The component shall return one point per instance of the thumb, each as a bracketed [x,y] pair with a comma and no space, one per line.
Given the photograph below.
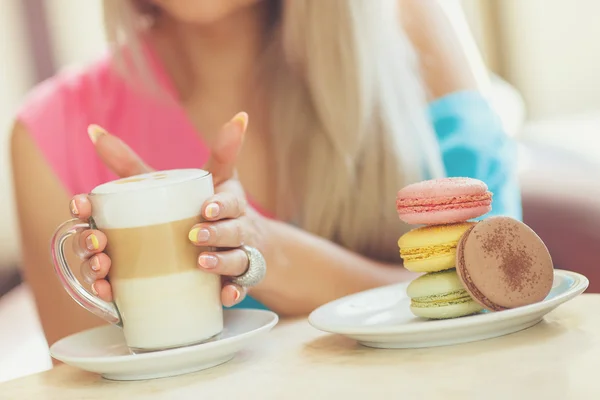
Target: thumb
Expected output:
[223,156]
[115,154]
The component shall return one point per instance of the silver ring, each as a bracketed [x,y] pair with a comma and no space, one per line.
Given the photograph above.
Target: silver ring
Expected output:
[257,268]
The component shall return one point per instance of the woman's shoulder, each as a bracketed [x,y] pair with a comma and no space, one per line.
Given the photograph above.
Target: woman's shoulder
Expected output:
[76,89]
[57,111]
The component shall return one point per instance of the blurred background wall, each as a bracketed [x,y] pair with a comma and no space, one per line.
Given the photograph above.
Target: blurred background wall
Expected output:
[76,27]
[548,49]
[16,76]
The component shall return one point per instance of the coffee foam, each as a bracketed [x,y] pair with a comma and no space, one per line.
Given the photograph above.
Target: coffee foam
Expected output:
[150,199]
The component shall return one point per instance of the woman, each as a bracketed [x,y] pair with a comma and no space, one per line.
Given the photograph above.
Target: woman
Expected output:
[349,101]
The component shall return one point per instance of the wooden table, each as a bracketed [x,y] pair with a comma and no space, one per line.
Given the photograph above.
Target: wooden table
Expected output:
[556,359]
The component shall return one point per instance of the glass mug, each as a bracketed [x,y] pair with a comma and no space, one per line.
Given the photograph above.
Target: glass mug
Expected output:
[161,299]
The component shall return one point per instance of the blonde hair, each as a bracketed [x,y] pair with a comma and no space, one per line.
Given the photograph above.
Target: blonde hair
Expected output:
[348,113]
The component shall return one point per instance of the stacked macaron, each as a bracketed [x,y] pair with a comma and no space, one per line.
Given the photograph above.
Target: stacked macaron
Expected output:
[444,208]
[504,264]
[495,264]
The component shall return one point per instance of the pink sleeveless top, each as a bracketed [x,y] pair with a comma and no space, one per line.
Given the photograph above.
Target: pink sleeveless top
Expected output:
[58,111]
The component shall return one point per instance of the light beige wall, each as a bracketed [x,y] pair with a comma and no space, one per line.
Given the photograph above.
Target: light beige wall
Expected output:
[549,49]
[16,76]
[76,28]
[553,53]
[481,17]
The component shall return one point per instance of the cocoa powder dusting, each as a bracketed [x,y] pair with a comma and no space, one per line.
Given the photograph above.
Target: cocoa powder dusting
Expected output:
[514,261]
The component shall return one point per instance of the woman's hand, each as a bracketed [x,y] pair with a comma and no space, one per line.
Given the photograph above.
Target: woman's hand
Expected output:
[229,221]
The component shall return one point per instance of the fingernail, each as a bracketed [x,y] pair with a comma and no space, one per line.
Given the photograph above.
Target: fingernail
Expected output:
[212,210]
[236,294]
[95,263]
[94,132]
[92,242]
[94,291]
[198,235]
[241,119]
[203,235]
[207,261]
[73,208]
[193,235]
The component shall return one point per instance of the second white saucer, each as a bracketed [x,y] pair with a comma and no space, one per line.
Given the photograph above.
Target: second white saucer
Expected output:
[381,317]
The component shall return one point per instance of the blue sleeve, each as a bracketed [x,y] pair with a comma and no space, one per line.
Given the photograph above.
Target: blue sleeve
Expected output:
[474,144]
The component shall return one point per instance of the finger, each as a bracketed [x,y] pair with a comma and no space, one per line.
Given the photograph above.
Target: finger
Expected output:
[90,242]
[95,268]
[102,289]
[231,185]
[227,263]
[115,154]
[221,163]
[80,207]
[227,233]
[232,294]
[224,205]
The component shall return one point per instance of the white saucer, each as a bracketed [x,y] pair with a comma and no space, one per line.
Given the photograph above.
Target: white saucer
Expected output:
[381,317]
[103,350]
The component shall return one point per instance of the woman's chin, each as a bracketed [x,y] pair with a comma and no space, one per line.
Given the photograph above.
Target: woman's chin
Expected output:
[203,12]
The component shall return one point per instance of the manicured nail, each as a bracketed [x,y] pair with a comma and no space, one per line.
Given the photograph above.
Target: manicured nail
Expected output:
[198,235]
[73,208]
[94,131]
[94,291]
[203,235]
[95,263]
[241,119]
[236,294]
[92,242]
[212,210]
[207,261]
[193,235]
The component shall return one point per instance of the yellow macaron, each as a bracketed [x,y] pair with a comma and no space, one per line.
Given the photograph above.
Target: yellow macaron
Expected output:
[440,295]
[432,248]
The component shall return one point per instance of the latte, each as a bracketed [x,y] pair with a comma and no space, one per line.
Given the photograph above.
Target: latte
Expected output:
[163,299]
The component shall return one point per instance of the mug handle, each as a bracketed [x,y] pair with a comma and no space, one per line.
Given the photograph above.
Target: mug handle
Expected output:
[74,288]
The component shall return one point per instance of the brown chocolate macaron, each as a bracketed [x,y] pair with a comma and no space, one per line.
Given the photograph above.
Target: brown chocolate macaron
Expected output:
[504,264]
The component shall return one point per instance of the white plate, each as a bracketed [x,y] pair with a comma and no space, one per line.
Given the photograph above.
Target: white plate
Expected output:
[103,350]
[381,317]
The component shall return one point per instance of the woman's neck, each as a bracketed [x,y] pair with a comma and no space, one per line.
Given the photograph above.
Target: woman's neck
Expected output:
[216,58]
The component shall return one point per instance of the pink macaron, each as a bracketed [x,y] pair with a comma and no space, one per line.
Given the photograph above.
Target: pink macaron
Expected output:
[443,201]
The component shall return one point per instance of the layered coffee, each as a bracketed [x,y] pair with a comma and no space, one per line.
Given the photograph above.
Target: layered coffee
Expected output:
[164,300]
